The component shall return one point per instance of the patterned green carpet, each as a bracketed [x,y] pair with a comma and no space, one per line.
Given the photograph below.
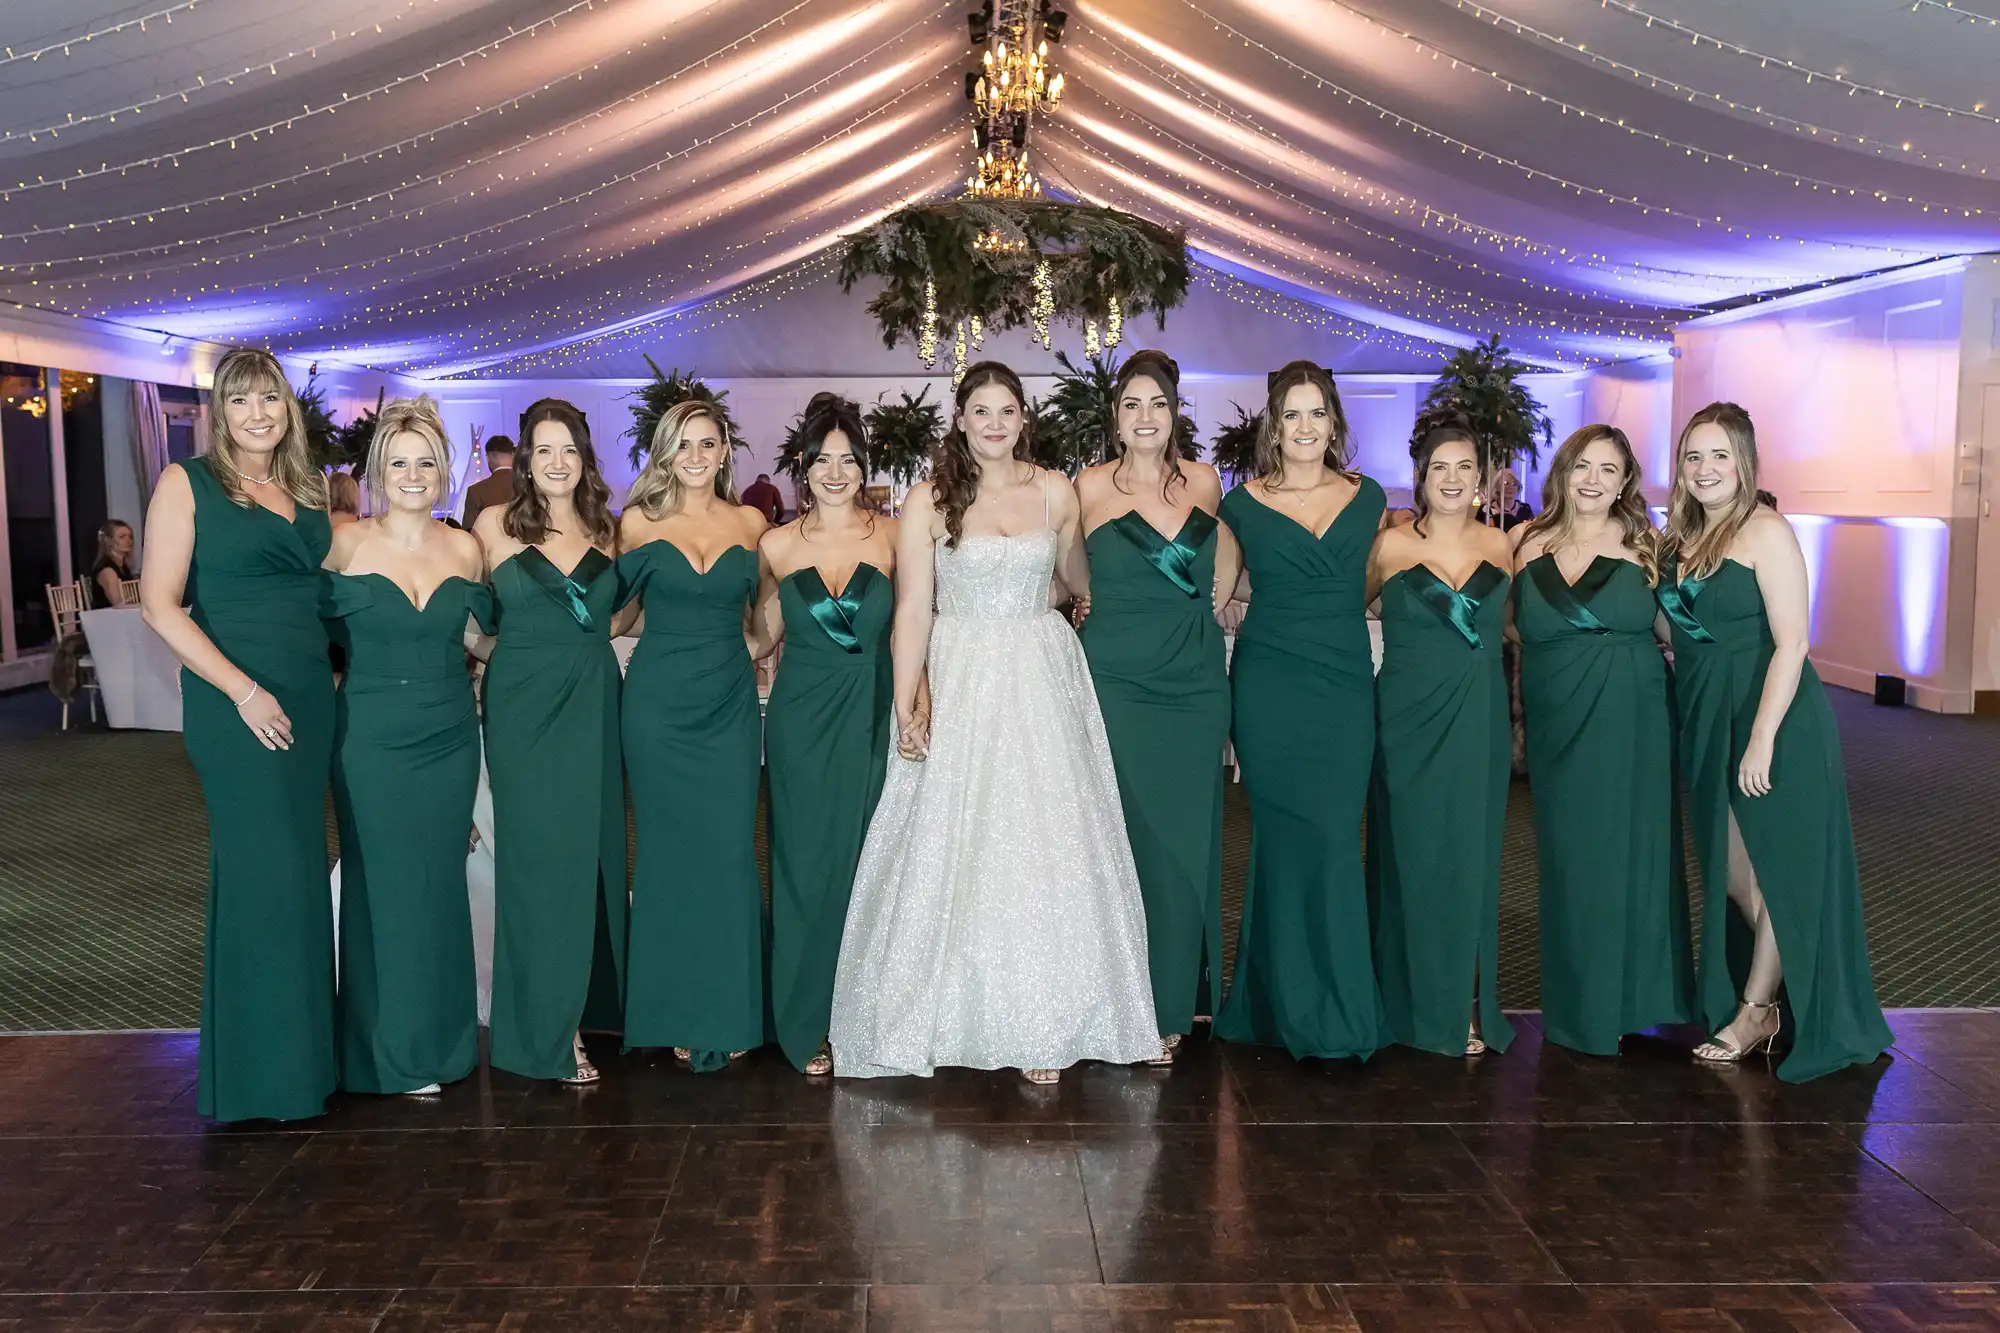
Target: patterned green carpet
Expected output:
[103,859]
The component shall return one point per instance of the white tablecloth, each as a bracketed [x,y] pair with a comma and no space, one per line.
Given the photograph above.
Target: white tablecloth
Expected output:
[138,676]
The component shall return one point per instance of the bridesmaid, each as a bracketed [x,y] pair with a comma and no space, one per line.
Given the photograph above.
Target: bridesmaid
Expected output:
[693,749]
[1443,756]
[405,766]
[832,716]
[1600,753]
[1761,761]
[552,752]
[1304,692]
[239,533]
[1155,652]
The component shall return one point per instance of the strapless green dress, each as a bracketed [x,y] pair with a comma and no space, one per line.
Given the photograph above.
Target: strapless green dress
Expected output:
[1304,690]
[693,755]
[267,1045]
[827,734]
[1797,835]
[1438,807]
[1600,723]
[405,772]
[559,896]
[1156,660]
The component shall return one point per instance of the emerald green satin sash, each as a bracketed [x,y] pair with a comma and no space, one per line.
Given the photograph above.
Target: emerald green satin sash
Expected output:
[1459,607]
[566,590]
[836,614]
[1676,597]
[1572,602]
[1173,558]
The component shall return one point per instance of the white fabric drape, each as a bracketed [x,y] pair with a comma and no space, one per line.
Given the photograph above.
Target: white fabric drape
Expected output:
[149,435]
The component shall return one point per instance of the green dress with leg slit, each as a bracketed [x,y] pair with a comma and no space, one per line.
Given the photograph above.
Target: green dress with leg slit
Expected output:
[1303,686]
[693,752]
[405,772]
[1600,724]
[267,1045]
[1797,835]
[559,897]
[1156,659]
[1438,808]
[827,734]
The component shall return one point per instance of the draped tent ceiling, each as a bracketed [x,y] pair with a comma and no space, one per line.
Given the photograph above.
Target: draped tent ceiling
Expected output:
[552,188]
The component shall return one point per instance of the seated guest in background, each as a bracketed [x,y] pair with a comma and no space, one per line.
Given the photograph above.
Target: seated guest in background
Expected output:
[343,492]
[257,703]
[495,489]
[113,565]
[1505,503]
[405,767]
[765,498]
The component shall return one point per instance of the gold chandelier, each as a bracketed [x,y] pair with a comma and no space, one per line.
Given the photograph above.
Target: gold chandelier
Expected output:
[1013,82]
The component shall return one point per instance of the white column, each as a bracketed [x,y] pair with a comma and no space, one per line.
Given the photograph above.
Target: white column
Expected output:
[58,473]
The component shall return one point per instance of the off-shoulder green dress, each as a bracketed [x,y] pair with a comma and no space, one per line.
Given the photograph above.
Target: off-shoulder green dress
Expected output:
[1156,659]
[1600,724]
[1798,836]
[559,895]
[693,755]
[1438,809]
[827,734]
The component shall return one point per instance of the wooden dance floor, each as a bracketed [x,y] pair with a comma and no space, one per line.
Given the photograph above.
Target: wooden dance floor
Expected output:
[1537,1190]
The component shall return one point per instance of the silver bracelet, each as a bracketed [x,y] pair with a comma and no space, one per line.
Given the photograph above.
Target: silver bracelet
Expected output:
[254,687]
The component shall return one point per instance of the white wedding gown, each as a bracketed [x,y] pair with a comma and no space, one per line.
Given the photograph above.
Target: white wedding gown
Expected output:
[996,920]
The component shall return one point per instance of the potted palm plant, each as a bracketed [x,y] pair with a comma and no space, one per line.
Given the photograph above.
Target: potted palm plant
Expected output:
[1480,387]
[669,388]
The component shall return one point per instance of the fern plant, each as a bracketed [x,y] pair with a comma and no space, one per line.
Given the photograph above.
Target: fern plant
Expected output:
[1074,425]
[903,434]
[322,436]
[1234,448]
[668,389]
[352,440]
[1480,386]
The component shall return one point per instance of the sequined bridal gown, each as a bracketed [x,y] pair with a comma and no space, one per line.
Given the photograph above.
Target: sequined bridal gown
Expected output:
[996,920]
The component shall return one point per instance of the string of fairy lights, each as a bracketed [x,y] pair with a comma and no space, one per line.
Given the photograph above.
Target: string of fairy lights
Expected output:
[185,94]
[584,229]
[1566,183]
[1328,178]
[64,45]
[1776,120]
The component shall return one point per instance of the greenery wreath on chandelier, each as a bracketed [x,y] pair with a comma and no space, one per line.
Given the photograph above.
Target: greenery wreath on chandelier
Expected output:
[969,267]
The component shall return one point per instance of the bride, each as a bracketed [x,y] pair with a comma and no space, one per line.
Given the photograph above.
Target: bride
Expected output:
[996,921]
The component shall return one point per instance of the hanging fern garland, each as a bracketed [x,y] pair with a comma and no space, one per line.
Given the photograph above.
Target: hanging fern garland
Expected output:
[958,260]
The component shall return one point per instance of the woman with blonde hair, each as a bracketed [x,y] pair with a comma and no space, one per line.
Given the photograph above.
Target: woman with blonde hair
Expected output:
[1304,724]
[113,565]
[1614,919]
[693,747]
[240,532]
[1760,756]
[552,757]
[400,590]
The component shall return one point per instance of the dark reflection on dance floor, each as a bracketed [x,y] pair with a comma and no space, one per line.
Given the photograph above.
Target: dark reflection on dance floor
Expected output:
[1539,1190]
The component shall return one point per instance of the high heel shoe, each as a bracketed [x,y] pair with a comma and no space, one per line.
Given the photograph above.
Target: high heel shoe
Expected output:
[1474,1043]
[1716,1051]
[586,1072]
[821,1064]
[1168,1046]
[1041,1077]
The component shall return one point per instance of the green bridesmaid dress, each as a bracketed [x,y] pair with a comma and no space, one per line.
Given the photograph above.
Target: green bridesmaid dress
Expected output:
[1797,835]
[827,735]
[1443,753]
[267,1044]
[1303,684]
[559,896]
[405,771]
[692,753]
[1156,658]
[1600,725]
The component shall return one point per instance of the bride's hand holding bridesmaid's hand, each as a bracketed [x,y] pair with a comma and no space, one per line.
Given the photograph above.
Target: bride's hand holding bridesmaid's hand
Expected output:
[913,737]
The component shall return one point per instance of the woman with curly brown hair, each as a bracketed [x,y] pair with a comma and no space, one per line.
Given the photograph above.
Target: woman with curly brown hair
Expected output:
[552,753]
[996,920]
[1600,725]
[240,532]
